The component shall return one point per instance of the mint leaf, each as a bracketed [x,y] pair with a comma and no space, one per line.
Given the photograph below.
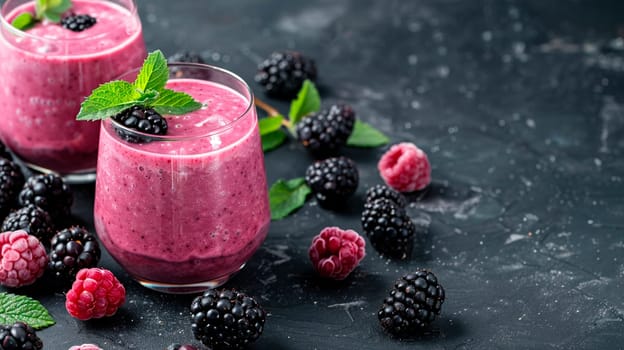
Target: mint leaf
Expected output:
[154,73]
[287,196]
[270,124]
[24,21]
[51,9]
[109,99]
[15,308]
[273,140]
[307,101]
[174,102]
[364,135]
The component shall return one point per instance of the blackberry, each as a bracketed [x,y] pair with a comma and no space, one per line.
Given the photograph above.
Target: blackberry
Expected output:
[326,131]
[72,249]
[383,191]
[78,23]
[332,180]
[33,220]
[388,227]
[19,336]
[50,193]
[283,73]
[226,319]
[11,181]
[413,303]
[4,152]
[141,119]
[185,56]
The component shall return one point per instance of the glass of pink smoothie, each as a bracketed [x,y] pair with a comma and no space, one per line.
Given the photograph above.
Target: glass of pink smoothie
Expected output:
[185,211]
[48,70]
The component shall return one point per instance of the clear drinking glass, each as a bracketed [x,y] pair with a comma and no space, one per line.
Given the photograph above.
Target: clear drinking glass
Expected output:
[185,211]
[46,73]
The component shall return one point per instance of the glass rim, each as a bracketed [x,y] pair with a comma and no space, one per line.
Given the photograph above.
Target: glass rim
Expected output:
[24,34]
[213,131]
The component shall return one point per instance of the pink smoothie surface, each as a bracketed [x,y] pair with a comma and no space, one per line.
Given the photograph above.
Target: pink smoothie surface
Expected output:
[185,210]
[47,72]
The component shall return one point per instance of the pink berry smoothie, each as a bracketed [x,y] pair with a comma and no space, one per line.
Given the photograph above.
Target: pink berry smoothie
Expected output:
[46,73]
[191,207]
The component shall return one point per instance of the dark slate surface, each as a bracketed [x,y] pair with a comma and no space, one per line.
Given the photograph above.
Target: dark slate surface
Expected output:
[519,106]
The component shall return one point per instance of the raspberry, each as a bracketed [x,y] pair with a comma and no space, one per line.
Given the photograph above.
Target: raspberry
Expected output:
[144,120]
[95,293]
[326,131]
[33,220]
[22,259]
[382,191]
[19,336]
[405,168]
[335,252]
[50,193]
[181,347]
[388,227]
[332,180]
[226,319]
[85,347]
[414,302]
[283,74]
[78,23]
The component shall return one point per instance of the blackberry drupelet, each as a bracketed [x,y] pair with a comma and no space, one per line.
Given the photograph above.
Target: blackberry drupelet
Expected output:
[413,303]
[19,336]
[145,120]
[185,56]
[332,180]
[11,181]
[326,131]
[388,227]
[226,319]
[50,193]
[72,249]
[283,73]
[78,23]
[4,152]
[33,220]
[383,191]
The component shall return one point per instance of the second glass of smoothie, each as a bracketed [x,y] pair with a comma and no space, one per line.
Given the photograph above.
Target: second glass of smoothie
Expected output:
[185,211]
[48,70]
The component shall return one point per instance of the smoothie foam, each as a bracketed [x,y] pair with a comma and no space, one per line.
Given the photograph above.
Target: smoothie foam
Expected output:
[192,207]
[48,71]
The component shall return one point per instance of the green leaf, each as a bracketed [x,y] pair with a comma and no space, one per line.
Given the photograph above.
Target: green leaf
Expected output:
[270,124]
[52,9]
[364,135]
[24,21]
[109,99]
[154,73]
[174,102]
[287,196]
[273,140]
[308,101]
[59,6]
[15,308]
[40,7]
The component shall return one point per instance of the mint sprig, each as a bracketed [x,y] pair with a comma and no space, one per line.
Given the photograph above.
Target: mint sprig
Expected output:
[286,196]
[52,10]
[148,90]
[14,308]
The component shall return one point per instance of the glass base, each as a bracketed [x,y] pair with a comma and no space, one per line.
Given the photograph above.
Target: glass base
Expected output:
[83,177]
[191,288]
